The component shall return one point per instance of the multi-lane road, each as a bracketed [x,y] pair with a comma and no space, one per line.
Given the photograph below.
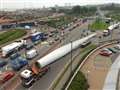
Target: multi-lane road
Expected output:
[45,82]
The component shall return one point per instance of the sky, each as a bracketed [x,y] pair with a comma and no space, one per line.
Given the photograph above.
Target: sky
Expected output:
[18,4]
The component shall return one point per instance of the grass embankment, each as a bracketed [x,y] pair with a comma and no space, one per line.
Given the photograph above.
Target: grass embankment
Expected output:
[98,25]
[80,82]
[11,35]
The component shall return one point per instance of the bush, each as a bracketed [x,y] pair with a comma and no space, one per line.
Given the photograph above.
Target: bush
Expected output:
[98,25]
[79,82]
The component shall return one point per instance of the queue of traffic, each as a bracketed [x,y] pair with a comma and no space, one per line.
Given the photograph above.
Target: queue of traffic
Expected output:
[18,53]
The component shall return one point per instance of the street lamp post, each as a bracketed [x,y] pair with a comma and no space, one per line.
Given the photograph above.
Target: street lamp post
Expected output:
[71,57]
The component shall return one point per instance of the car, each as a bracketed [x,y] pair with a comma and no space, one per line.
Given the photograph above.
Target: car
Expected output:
[85,44]
[29,46]
[105,52]
[50,42]
[2,63]
[51,35]
[106,49]
[112,50]
[117,47]
[14,56]
[57,38]
[5,76]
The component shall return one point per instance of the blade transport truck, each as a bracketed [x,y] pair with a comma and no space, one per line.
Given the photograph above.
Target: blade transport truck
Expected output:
[40,67]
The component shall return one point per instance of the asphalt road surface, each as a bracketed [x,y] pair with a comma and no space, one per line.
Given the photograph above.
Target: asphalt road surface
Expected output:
[46,80]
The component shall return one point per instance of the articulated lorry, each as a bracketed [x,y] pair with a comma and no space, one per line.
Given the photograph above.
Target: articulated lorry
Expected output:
[40,67]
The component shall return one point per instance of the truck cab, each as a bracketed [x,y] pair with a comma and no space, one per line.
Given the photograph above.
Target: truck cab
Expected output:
[27,78]
[33,73]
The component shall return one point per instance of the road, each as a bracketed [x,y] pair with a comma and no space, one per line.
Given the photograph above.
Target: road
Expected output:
[46,80]
[42,50]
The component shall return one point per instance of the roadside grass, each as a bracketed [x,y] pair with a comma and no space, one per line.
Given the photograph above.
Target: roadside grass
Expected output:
[11,35]
[98,25]
[80,82]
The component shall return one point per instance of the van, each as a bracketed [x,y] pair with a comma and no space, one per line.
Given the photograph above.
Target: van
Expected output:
[31,54]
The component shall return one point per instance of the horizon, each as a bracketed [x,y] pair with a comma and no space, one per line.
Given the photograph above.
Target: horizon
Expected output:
[11,5]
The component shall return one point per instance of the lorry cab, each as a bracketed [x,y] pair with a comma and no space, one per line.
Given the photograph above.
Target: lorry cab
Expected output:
[106,32]
[27,78]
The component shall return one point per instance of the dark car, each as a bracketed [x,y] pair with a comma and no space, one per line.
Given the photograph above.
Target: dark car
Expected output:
[112,50]
[2,63]
[14,56]
[57,38]
[29,46]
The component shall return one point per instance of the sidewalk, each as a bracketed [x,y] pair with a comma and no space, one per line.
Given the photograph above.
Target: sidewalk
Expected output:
[95,69]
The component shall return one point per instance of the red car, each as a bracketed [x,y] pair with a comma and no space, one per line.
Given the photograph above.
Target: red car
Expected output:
[105,53]
[5,76]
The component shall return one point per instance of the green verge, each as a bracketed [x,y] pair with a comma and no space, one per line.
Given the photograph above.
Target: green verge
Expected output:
[80,82]
[11,35]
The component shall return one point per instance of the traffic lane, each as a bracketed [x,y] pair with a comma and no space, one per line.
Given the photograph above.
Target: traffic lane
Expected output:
[114,35]
[44,82]
[42,48]
[40,54]
[75,34]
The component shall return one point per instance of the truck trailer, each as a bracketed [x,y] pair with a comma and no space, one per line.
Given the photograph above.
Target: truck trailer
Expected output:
[6,50]
[40,67]
[38,36]
[114,26]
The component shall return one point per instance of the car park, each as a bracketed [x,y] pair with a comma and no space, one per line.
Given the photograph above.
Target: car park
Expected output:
[5,76]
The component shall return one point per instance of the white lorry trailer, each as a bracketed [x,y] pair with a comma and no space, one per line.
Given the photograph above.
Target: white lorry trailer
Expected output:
[6,50]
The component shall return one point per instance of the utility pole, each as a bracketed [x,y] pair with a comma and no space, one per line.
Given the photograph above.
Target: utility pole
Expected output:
[71,57]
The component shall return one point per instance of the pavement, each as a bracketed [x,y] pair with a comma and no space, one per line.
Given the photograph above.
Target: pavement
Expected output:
[96,68]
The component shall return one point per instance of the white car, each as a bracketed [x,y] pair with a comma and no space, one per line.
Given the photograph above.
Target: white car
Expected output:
[117,46]
[105,49]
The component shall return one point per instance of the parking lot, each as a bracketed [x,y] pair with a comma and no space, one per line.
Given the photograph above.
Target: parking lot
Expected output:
[97,67]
